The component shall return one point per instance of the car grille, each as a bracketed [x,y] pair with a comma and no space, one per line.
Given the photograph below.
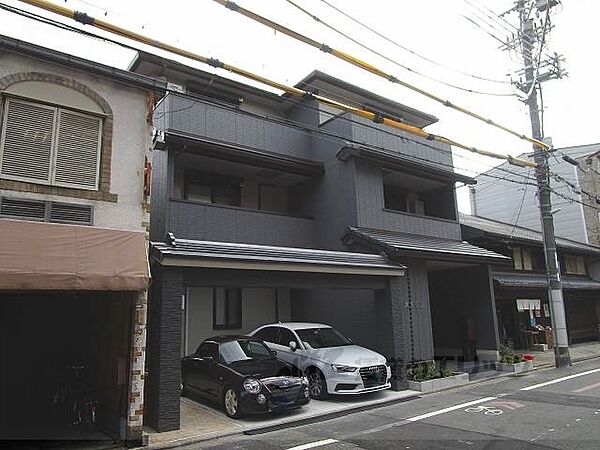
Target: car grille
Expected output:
[373,376]
[286,394]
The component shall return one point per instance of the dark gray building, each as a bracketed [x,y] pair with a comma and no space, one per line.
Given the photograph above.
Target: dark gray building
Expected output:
[269,208]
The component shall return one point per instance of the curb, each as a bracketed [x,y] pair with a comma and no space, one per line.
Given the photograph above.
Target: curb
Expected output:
[251,431]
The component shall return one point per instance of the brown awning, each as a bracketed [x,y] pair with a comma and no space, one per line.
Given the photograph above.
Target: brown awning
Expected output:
[48,256]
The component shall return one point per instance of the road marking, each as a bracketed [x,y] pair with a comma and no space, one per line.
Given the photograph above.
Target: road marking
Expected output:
[559,380]
[451,408]
[508,405]
[314,444]
[587,388]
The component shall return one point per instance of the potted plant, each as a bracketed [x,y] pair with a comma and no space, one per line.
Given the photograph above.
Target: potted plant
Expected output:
[511,361]
[427,376]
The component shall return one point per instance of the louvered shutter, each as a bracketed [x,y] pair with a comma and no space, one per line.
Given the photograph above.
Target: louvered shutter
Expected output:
[27,141]
[77,150]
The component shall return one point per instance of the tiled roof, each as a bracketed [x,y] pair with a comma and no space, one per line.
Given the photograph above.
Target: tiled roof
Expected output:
[434,246]
[509,231]
[229,251]
[540,281]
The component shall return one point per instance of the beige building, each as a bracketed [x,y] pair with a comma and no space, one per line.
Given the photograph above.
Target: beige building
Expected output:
[75,162]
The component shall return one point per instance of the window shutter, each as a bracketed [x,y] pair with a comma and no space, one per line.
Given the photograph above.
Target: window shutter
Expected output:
[27,141]
[77,150]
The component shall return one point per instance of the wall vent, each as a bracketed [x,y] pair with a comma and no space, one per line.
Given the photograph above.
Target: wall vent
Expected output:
[70,213]
[22,209]
[46,211]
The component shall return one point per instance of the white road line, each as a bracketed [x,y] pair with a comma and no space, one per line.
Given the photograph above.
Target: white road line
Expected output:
[587,388]
[559,380]
[314,444]
[451,408]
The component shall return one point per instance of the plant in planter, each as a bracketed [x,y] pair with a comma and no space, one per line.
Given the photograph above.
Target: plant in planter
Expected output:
[427,376]
[426,370]
[510,361]
[509,356]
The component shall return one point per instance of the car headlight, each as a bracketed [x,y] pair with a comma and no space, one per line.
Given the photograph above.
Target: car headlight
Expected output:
[339,368]
[252,385]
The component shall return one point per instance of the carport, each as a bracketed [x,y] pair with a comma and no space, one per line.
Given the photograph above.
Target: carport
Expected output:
[70,296]
[205,288]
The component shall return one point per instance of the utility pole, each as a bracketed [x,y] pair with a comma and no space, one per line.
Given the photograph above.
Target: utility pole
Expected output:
[529,35]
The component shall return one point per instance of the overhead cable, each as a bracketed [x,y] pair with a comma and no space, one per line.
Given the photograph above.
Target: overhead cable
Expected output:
[412,52]
[393,61]
[294,91]
[372,69]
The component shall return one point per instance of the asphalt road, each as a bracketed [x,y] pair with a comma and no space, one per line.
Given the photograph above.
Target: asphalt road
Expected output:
[555,408]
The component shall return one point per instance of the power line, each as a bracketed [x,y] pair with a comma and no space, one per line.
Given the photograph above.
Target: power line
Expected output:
[412,52]
[294,91]
[395,62]
[371,68]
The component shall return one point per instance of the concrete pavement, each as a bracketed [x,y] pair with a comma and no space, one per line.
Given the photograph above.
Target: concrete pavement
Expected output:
[554,408]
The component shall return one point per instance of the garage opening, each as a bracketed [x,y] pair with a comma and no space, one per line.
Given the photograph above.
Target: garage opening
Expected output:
[61,348]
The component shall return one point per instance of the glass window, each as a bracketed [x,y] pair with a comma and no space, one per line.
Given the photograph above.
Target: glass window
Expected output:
[394,197]
[212,188]
[285,337]
[243,349]
[323,337]
[267,334]
[207,349]
[227,308]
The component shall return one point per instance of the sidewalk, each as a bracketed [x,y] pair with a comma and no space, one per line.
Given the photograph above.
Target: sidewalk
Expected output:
[579,352]
[201,420]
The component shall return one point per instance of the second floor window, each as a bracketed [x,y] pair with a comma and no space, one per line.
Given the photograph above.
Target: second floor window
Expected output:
[522,258]
[574,265]
[212,188]
[400,199]
[50,145]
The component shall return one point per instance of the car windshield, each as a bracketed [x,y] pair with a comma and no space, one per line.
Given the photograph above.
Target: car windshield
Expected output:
[242,350]
[323,337]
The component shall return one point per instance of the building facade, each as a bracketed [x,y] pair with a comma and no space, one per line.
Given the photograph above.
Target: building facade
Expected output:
[576,213]
[268,208]
[521,290]
[75,140]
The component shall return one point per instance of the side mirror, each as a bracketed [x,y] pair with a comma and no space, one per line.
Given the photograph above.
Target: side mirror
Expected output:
[293,346]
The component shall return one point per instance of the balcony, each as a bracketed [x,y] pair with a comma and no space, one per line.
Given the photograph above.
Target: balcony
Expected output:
[210,222]
[230,125]
[415,224]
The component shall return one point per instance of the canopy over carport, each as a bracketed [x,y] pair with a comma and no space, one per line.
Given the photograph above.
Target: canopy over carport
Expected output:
[227,255]
[48,256]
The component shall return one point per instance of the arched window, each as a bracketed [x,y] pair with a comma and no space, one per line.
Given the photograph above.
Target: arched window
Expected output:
[51,134]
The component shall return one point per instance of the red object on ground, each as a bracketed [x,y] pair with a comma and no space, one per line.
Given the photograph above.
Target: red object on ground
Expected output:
[528,357]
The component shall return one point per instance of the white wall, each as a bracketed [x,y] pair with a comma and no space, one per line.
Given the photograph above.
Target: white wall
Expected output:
[258,308]
[131,142]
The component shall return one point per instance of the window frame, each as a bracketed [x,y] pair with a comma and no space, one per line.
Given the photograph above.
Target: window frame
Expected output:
[57,109]
[228,325]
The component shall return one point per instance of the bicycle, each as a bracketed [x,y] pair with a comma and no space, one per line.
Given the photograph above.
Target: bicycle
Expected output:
[74,397]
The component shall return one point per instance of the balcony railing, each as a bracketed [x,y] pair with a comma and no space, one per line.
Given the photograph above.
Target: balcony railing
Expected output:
[209,222]
[230,125]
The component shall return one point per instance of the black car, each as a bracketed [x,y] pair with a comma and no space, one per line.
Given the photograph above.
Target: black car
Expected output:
[244,375]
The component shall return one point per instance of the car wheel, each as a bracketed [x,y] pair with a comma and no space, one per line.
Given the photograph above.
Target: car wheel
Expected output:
[231,403]
[317,385]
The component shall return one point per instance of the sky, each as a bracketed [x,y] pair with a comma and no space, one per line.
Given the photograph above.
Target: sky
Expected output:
[436,29]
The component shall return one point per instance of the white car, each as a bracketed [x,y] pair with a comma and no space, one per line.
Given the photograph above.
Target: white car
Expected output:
[332,363]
